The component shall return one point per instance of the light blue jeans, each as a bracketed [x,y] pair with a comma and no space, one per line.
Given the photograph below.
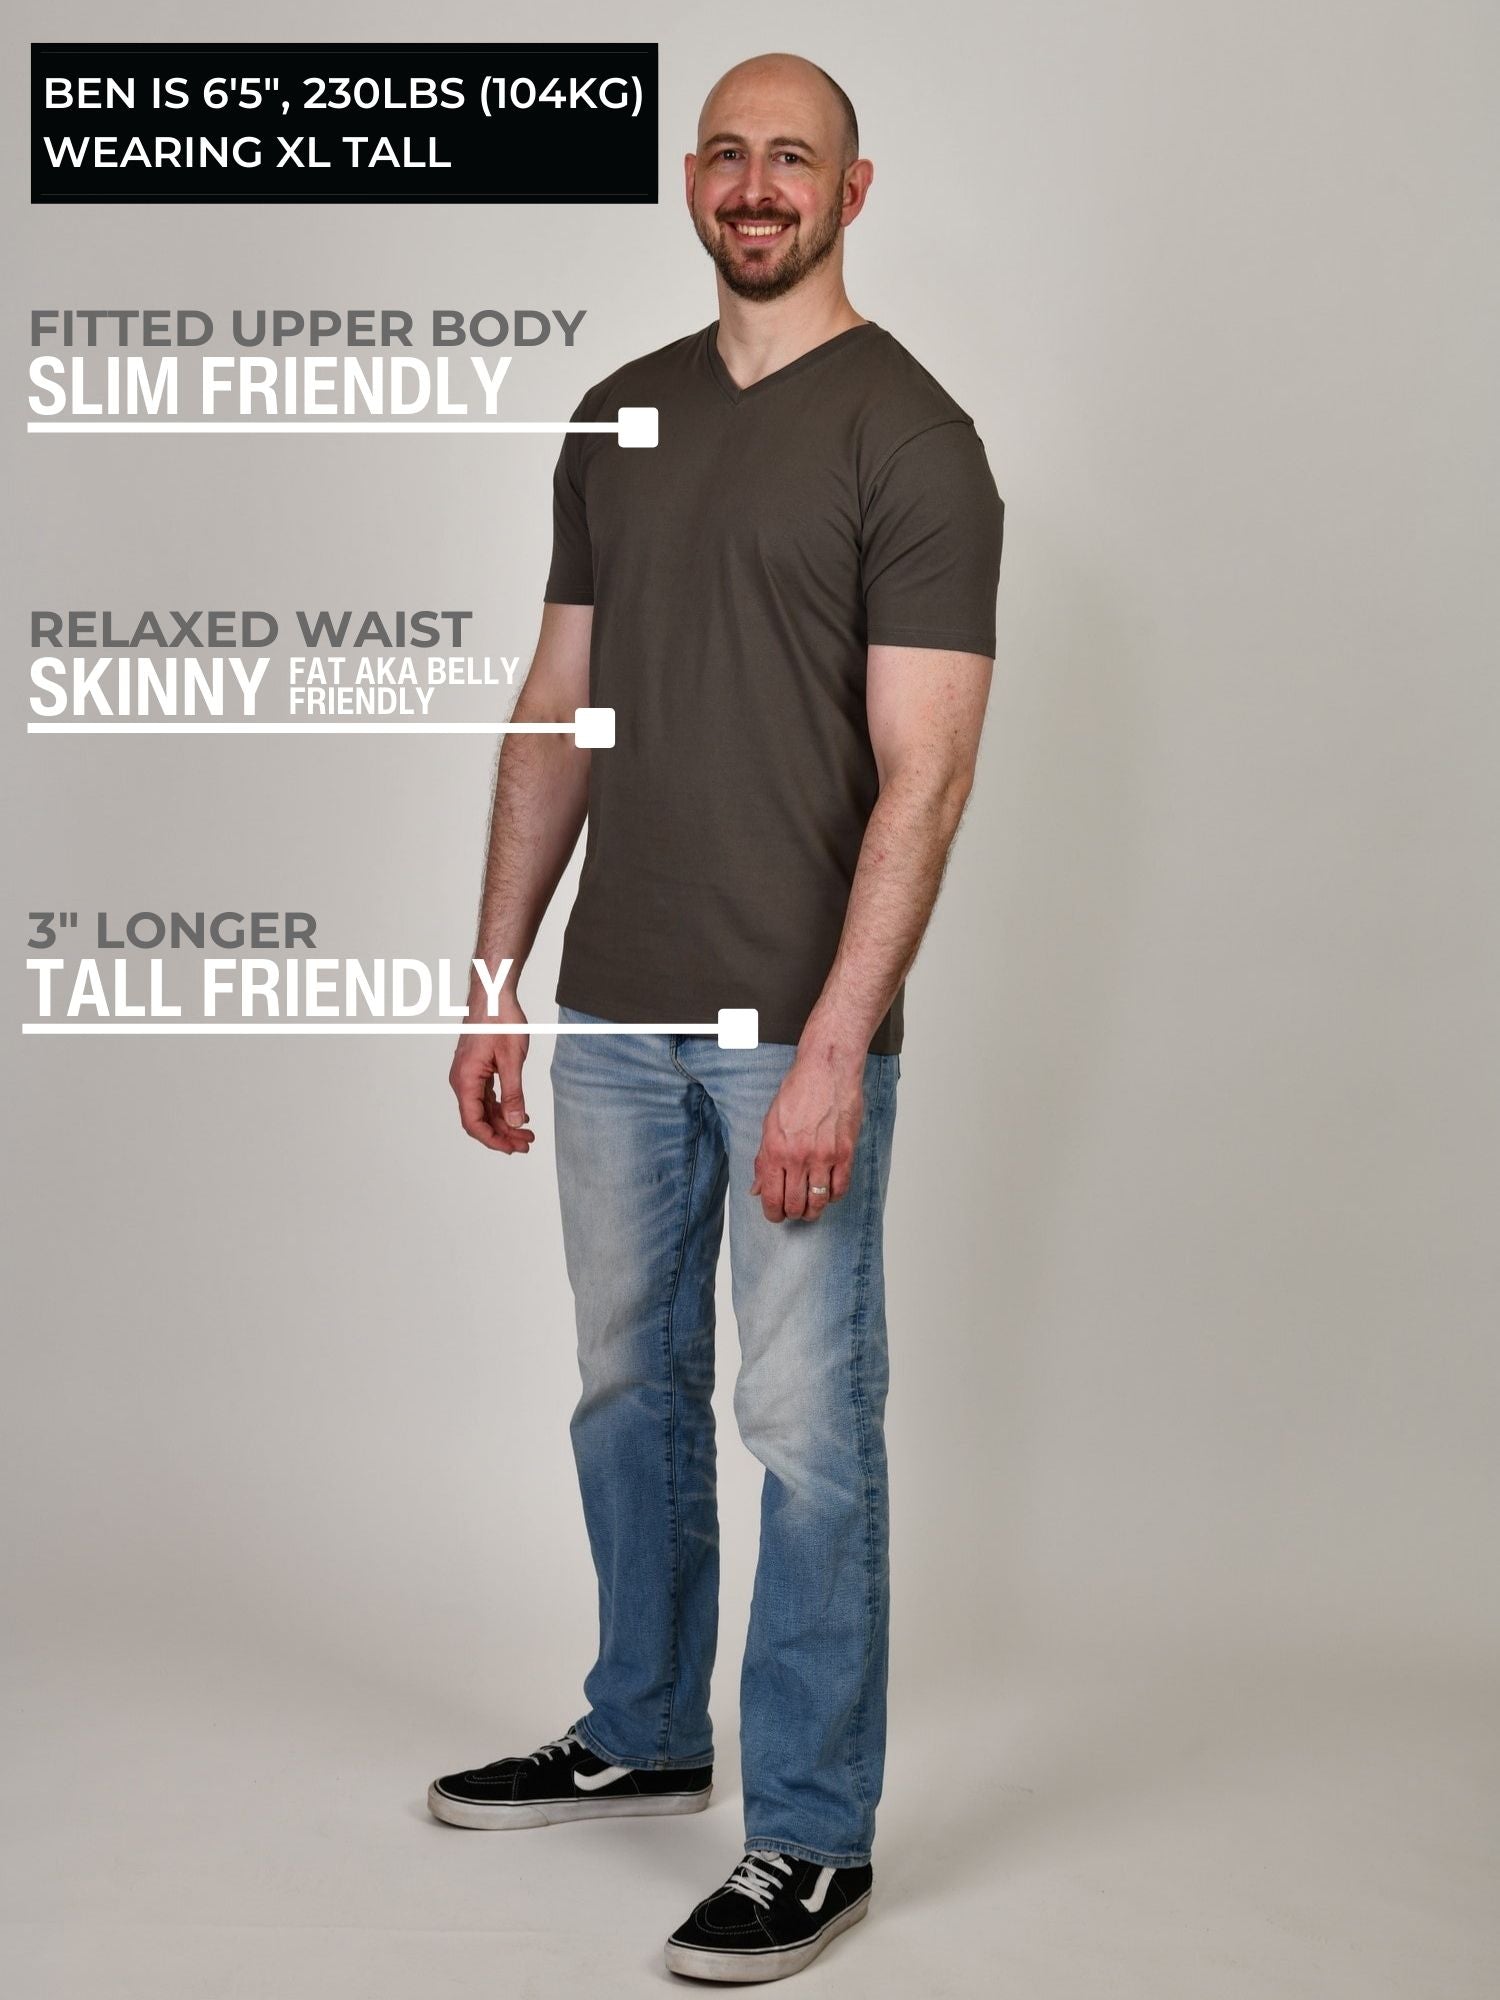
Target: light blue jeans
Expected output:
[655,1136]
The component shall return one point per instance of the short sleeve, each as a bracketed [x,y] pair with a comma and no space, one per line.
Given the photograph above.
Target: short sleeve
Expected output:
[570,580]
[930,547]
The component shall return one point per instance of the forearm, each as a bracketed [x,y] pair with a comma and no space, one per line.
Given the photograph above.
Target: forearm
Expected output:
[540,804]
[896,882]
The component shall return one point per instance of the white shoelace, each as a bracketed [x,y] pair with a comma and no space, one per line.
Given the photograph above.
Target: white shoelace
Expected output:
[563,1743]
[752,1881]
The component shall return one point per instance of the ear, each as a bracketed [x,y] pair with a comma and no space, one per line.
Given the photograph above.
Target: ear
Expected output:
[857,178]
[689,177]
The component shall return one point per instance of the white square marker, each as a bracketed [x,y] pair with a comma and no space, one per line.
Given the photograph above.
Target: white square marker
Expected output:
[739,1028]
[638,430]
[594,728]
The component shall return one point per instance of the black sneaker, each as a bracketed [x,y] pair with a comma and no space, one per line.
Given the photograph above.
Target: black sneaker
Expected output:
[561,1781]
[773,1916]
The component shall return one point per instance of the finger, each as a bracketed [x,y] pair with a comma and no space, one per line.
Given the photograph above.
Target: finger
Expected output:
[838,1179]
[819,1190]
[512,1097]
[795,1199]
[471,1087]
[772,1194]
[508,1138]
[516,1138]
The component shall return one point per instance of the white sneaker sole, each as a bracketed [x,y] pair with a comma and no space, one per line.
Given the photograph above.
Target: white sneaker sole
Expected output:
[553,1812]
[743,1967]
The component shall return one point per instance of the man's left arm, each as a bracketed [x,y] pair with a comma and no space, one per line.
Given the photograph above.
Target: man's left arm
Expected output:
[925,711]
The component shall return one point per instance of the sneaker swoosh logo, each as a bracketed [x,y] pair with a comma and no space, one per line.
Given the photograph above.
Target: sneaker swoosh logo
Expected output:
[813,1903]
[592,1781]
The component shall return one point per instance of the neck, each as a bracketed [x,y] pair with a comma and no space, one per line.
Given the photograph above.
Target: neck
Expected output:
[756,338]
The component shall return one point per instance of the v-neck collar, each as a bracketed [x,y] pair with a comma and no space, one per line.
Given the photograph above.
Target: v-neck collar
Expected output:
[736,394]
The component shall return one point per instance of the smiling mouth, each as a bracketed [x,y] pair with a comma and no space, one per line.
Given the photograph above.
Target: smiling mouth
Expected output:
[759,232]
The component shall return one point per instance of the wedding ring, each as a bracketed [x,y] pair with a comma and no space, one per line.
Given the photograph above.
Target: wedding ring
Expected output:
[813,1188]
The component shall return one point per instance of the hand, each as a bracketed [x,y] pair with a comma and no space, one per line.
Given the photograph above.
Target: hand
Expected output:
[497,1121]
[807,1140]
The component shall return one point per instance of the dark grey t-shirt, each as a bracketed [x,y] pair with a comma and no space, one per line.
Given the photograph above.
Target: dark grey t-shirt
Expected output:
[738,573]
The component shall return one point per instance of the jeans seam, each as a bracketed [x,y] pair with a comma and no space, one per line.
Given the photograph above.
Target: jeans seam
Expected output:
[668,1330]
[861,1311]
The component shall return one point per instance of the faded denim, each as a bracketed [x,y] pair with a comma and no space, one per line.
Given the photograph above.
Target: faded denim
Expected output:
[655,1137]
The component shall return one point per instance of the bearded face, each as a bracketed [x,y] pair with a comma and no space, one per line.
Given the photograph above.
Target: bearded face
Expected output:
[762,252]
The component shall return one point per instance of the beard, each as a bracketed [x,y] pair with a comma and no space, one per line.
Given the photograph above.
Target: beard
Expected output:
[769,280]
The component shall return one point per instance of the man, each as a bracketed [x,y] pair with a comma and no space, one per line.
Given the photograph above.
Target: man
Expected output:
[789,604]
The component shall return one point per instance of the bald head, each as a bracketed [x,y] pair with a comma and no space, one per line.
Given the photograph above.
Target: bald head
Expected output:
[776,178]
[789,85]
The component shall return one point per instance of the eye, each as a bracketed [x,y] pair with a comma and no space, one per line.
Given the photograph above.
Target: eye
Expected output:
[794,158]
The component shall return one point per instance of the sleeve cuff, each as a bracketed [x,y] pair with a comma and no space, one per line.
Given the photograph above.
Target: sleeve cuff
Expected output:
[934,638]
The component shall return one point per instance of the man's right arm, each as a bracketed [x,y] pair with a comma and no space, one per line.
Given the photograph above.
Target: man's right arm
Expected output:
[540,804]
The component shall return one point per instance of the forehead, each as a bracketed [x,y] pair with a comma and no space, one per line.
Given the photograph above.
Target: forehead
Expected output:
[771,103]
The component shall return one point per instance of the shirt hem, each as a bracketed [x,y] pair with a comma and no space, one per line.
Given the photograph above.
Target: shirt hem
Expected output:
[782,1030]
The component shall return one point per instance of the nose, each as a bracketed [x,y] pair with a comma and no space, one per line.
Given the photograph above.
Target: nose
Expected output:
[754,188]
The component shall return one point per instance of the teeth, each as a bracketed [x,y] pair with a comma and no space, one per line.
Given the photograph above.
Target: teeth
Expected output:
[760,228]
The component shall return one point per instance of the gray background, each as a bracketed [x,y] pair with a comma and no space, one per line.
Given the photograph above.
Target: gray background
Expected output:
[1193,1261]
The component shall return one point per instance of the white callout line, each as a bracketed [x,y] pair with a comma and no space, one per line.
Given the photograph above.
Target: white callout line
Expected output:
[635,428]
[593,727]
[731,1029]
